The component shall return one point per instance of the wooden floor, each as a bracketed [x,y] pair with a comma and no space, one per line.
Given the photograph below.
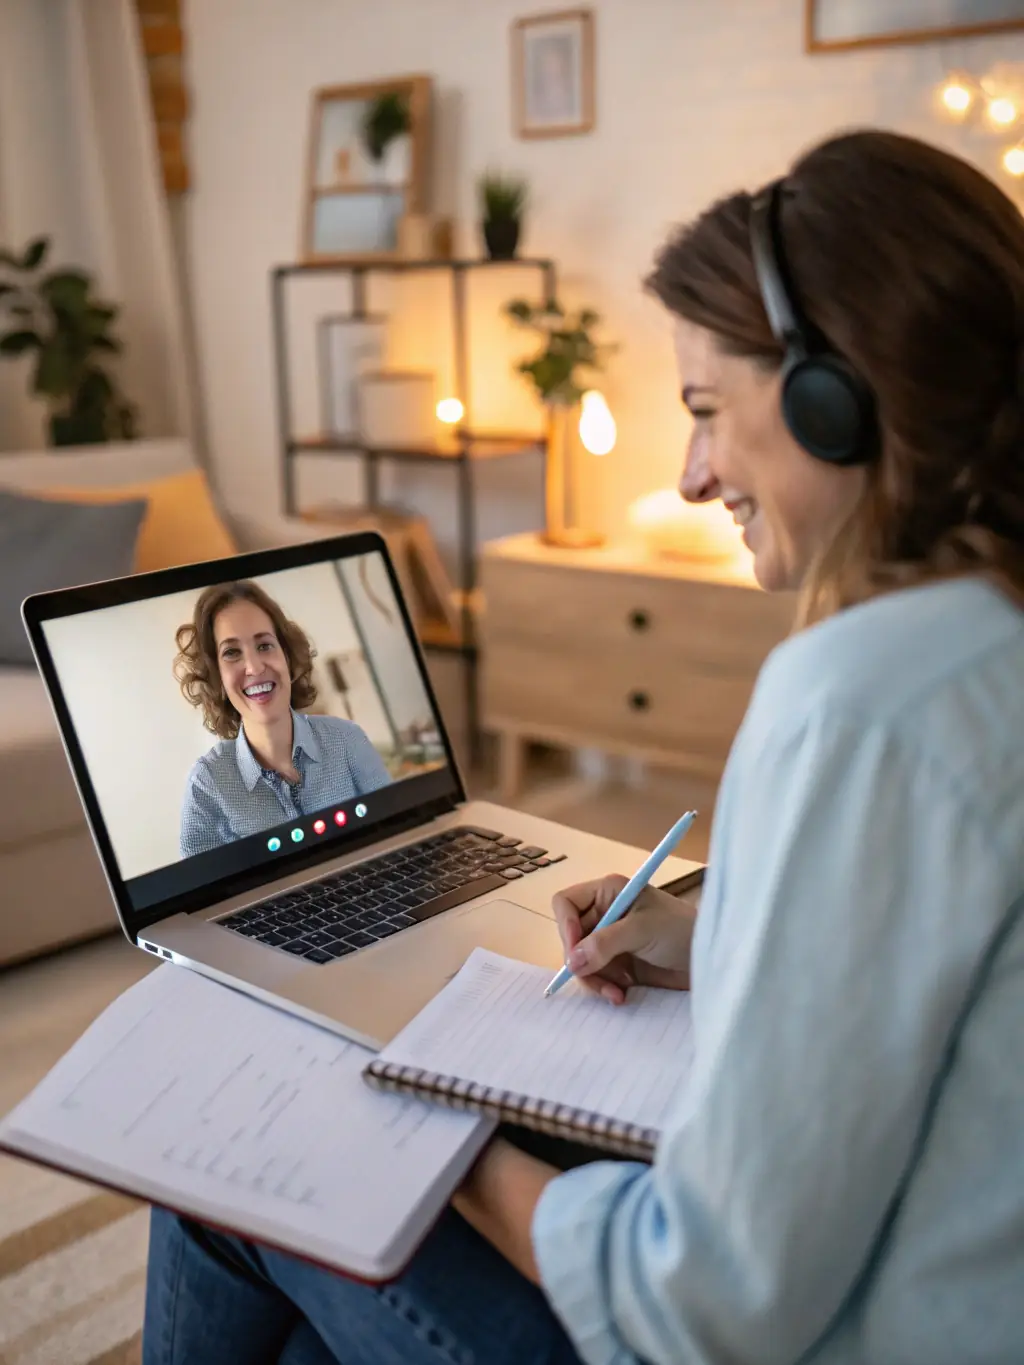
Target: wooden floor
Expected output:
[46,1004]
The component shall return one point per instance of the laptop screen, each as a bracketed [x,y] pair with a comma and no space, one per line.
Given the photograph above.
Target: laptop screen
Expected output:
[248,724]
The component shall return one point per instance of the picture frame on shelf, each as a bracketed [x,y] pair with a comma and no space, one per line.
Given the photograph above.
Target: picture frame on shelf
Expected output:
[367,169]
[841,25]
[347,347]
[553,74]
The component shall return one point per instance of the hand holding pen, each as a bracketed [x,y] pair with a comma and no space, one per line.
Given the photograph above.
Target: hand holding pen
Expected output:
[609,950]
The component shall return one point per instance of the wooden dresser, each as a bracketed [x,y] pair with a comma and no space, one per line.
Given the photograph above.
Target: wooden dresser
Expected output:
[612,650]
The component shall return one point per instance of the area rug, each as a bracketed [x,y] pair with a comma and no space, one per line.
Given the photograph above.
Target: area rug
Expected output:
[72,1270]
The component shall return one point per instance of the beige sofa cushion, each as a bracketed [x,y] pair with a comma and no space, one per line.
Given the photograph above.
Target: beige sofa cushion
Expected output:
[38,797]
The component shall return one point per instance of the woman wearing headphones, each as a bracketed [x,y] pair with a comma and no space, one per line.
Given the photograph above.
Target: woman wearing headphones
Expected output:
[841,1181]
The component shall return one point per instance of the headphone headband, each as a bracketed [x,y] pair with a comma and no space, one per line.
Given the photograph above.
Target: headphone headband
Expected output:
[773,277]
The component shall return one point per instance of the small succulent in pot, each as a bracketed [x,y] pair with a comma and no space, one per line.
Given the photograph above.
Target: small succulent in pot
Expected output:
[503,201]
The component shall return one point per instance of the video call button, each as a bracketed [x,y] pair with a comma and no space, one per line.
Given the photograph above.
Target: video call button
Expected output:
[340,818]
[297,835]
[274,844]
[319,826]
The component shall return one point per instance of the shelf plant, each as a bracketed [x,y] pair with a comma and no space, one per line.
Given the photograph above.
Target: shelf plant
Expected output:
[503,201]
[387,118]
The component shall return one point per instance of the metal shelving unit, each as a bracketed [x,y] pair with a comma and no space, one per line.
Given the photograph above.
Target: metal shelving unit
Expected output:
[467,448]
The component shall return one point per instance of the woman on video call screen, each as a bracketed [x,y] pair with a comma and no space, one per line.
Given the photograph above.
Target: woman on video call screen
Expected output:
[249,670]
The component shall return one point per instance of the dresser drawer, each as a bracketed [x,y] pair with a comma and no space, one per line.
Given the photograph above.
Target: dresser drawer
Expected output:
[635,701]
[707,624]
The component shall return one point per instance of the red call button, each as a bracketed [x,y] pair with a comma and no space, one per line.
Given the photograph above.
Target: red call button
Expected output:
[339,818]
[319,826]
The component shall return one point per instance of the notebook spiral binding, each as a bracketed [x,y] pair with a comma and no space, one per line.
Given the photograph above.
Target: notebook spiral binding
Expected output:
[543,1116]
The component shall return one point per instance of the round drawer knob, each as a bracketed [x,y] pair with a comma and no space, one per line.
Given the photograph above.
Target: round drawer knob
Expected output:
[639,701]
[639,619]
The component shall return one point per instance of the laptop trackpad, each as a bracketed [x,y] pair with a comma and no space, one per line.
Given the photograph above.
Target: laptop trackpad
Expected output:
[378,991]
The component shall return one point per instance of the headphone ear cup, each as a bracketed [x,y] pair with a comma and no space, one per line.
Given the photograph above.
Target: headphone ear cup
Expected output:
[829,410]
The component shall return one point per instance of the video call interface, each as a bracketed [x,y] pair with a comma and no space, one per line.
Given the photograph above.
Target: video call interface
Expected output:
[258,717]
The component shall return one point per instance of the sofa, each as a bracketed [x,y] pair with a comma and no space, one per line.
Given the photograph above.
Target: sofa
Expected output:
[52,889]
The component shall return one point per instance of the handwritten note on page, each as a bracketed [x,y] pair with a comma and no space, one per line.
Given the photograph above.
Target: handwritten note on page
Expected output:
[491,1025]
[195,1096]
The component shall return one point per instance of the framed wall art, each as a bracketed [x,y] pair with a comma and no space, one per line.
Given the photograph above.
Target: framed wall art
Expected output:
[553,74]
[368,168]
[837,25]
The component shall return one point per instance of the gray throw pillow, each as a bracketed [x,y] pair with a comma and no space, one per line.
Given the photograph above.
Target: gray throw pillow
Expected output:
[45,545]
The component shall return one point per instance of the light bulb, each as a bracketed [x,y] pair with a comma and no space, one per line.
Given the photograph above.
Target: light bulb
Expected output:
[597,425]
[1013,160]
[1002,111]
[450,411]
[956,97]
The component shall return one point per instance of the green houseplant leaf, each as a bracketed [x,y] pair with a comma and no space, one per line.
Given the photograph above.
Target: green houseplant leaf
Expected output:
[386,118]
[17,343]
[35,253]
[502,198]
[57,316]
[567,349]
[67,289]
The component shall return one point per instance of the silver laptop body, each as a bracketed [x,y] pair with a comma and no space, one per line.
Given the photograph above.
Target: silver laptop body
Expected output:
[428,874]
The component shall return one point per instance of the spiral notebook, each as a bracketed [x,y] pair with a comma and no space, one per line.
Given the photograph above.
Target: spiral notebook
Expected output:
[573,1066]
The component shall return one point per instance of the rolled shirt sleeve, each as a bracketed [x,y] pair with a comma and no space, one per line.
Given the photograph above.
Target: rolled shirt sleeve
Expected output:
[831,962]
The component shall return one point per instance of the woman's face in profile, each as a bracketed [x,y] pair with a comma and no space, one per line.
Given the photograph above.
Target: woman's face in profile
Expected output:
[788,503]
[253,666]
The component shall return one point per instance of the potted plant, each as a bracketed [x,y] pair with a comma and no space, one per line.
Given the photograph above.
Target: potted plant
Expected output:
[558,373]
[386,120]
[56,316]
[502,201]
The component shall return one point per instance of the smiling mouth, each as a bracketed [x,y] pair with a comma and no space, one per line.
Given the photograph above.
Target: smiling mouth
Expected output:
[262,689]
[743,511]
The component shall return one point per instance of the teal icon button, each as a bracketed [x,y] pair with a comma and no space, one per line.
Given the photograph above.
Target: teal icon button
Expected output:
[297,836]
[274,844]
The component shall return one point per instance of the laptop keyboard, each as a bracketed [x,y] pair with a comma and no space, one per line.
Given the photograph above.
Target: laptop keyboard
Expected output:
[359,906]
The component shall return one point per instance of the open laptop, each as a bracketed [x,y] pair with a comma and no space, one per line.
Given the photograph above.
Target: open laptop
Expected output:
[350,889]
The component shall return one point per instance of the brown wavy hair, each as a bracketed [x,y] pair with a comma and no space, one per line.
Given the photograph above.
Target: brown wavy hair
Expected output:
[196,667]
[911,263]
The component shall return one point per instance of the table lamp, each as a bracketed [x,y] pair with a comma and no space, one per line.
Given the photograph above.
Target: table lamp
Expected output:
[597,434]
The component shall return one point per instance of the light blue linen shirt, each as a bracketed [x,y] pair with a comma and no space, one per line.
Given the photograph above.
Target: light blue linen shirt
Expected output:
[229,796]
[842,1180]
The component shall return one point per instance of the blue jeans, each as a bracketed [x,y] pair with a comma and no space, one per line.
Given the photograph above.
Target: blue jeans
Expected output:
[211,1299]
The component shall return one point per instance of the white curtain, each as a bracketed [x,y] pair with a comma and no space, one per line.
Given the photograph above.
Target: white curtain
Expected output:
[78,163]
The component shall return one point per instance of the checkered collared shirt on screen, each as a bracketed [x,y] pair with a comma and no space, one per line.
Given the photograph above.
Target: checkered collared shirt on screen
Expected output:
[229,796]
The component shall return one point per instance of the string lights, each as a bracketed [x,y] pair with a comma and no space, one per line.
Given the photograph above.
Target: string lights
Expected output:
[996,102]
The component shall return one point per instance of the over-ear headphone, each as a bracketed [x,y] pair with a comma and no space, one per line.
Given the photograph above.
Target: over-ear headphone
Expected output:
[828,408]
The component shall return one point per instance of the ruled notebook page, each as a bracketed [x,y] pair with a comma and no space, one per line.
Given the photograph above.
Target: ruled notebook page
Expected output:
[491,1025]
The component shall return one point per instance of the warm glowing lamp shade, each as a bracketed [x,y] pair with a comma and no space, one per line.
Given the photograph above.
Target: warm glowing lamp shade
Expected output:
[597,434]
[1013,160]
[597,425]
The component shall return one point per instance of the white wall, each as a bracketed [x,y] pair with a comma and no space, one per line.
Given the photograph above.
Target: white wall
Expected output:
[695,98]
[140,737]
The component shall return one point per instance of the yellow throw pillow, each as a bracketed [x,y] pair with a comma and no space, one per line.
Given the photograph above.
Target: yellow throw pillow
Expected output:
[181,525]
